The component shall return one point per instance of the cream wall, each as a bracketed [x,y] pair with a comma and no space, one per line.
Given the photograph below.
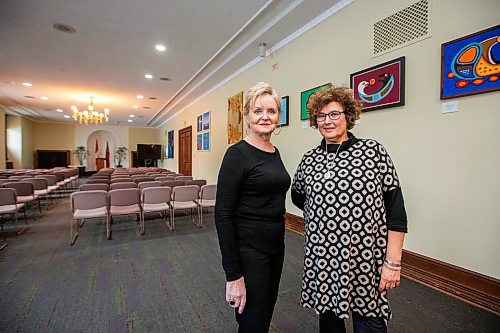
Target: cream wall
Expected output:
[27,132]
[14,141]
[2,138]
[447,163]
[55,136]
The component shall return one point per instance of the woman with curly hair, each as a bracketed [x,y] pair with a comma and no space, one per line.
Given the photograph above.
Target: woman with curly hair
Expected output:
[355,219]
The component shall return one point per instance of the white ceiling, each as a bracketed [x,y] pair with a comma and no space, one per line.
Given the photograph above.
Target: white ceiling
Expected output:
[113,47]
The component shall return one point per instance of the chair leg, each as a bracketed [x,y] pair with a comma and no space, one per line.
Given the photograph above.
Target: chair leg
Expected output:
[108,226]
[25,221]
[172,222]
[74,222]
[142,223]
[4,238]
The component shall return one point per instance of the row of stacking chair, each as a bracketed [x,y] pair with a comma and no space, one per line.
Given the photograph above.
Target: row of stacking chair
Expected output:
[141,185]
[100,203]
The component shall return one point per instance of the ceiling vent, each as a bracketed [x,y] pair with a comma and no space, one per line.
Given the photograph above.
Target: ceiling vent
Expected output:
[408,26]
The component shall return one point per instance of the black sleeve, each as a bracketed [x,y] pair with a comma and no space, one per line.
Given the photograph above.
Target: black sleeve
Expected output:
[298,199]
[395,210]
[231,175]
[298,187]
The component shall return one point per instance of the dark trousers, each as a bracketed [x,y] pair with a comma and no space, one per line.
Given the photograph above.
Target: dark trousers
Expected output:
[330,323]
[262,274]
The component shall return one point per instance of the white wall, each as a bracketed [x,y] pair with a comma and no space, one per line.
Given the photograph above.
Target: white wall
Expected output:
[448,163]
[117,136]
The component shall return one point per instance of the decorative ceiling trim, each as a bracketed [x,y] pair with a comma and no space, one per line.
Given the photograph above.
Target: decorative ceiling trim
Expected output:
[287,40]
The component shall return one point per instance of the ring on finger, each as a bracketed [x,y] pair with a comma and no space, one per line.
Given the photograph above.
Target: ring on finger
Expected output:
[232,302]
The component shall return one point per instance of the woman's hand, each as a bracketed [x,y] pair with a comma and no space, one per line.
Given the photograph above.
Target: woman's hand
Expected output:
[389,279]
[236,291]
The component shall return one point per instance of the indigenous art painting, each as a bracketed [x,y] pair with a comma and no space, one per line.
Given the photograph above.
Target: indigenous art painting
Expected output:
[304,98]
[471,64]
[235,118]
[170,144]
[284,111]
[381,86]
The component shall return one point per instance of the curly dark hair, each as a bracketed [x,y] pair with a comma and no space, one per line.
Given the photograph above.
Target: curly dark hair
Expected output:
[342,95]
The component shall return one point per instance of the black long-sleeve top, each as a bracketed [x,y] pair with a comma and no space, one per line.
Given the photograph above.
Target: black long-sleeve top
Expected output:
[250,203]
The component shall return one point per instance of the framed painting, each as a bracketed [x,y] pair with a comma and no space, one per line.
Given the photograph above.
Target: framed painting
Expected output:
[199,142]
[284,111]
[199,123]
[381,86]
[206,141]
[206,121]
[235,118]
[470,65]
[304,98]
[170,144]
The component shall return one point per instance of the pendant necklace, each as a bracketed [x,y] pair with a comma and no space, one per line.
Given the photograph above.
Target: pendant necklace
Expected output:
[329,167]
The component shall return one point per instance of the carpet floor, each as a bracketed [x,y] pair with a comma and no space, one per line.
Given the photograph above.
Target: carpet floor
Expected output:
[167,281]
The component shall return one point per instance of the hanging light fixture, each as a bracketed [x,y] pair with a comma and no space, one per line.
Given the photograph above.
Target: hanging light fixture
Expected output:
[90,115]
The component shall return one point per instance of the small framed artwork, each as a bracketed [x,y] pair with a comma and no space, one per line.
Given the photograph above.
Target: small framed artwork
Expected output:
[206,141]
[235,118]
[199,142]
[284,111]
[170,144]
[304,98]
[199,123]
[381,86]
[206,121]
[470,64]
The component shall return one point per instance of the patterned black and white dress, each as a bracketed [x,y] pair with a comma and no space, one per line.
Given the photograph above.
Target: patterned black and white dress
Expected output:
[347,217]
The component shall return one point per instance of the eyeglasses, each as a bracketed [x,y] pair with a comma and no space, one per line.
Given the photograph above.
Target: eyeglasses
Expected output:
[333,115]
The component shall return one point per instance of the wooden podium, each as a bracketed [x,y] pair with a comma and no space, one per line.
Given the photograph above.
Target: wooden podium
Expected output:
[100,163]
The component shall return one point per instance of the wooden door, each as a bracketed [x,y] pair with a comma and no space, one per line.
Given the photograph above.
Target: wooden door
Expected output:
[185,146]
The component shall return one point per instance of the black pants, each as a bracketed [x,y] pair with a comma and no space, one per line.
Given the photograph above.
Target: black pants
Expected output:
[262,273]
[330,323]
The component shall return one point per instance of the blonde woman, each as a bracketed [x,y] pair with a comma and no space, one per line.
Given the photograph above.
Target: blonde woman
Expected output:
[250,205]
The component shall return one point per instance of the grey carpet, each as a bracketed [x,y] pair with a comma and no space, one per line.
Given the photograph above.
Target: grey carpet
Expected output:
[167,282]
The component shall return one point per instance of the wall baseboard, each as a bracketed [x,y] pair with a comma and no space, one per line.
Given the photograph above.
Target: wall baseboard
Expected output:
[471,287]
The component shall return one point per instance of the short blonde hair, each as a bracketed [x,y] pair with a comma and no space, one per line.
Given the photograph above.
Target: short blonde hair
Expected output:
[342,95]
[258,90]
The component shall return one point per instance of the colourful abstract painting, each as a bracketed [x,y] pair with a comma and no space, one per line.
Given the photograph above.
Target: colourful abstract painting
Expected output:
[235,118]
[471,64]
[170,144]
[381,86]
[284,111]
[304,98]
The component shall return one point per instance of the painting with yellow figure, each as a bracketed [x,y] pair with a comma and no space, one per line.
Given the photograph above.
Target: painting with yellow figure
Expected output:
[235,118]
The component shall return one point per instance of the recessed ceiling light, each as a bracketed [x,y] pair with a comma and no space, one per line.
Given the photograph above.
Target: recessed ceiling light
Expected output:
[153,98]
[27,96]
[66,116]
[27,84]
[59,110]
[44,98]
[146,107]
[148,76]
[131,116]
[130,120]
[163,78]
[140,96]
[135,106]
[64,28]
[160,47]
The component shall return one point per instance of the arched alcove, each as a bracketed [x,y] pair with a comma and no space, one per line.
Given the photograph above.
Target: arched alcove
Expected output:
[103,140]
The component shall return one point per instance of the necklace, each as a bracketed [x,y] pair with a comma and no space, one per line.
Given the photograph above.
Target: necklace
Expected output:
[329,167]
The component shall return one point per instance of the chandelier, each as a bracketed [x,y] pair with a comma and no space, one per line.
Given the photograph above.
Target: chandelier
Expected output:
[90,115]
